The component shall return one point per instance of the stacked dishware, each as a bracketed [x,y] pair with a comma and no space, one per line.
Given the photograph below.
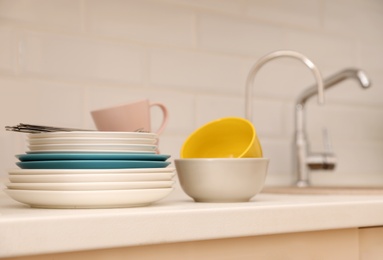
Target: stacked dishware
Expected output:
[90,169]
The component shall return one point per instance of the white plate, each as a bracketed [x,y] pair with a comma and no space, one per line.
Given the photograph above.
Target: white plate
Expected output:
[93,134]
[90,140]
[91,147]
[91,185]
[88,199]
[164,176]
[18,171]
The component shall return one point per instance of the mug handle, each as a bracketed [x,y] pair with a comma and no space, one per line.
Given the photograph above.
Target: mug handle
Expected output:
[165,116]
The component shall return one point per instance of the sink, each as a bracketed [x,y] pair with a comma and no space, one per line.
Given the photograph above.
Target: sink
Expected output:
[321,190]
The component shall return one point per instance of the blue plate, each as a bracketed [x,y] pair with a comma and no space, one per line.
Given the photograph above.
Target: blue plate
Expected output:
[92,156]
[91,164]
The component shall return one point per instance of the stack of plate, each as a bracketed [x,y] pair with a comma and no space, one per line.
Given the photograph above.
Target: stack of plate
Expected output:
[93,141]
[91,170]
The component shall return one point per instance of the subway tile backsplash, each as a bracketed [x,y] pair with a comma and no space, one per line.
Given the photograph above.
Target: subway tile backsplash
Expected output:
[60,60]
[7,50]
[60,15]
[79,58]
[143,21]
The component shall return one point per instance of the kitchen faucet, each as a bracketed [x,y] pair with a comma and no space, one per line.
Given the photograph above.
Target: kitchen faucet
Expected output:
[306,160]
[280,54]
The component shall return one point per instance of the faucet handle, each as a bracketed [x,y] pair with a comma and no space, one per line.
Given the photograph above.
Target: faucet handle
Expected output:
[329,156]
[327,141]
[326,160]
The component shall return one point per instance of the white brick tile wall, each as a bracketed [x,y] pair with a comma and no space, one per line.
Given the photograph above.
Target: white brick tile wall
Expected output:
[212,107]
[8,47]
[301,13]
[53,15]
[223,6]
[146,21]
[341,17]
[40,102]
[370,20]
[76,58]
[371,55]
[198,71]
[238,36]
[360,19]
[327,51]
[59,60]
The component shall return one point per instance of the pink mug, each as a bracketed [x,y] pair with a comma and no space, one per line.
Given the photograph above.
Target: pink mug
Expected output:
[129,117]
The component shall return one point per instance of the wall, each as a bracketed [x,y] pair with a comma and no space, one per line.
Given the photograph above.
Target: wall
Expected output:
[61,59]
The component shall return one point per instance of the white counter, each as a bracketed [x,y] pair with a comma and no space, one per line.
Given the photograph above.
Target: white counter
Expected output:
[27,231]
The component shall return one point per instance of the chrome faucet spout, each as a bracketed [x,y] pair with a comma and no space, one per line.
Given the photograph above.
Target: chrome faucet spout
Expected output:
[351,73]
[306,160]
[279,54]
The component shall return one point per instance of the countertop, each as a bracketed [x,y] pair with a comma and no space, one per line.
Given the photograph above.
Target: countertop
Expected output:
[28,231]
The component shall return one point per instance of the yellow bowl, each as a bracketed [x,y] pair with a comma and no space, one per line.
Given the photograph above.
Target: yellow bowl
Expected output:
[229,137]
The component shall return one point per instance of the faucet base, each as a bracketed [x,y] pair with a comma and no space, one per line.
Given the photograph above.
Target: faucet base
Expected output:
[302,183]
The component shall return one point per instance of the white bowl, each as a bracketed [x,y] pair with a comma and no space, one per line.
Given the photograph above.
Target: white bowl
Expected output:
[222,180]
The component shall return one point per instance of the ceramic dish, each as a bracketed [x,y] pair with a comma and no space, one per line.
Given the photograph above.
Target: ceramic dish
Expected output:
[222,179]
[88,199]
[91,185]
[93,134]
[18,171]
[229,137]
[91,151]
[108,177]
[91,156]
[91,164]
[87,140]
[90,147]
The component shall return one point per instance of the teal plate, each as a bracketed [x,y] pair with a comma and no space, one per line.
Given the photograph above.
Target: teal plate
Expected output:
[91,164]
[91,156]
